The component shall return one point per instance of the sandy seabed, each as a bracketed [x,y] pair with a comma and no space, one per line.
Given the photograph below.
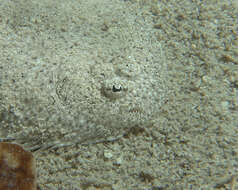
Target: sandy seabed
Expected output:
[113,94]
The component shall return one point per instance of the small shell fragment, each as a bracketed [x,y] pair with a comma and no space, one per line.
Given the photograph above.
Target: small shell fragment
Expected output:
[17,168]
